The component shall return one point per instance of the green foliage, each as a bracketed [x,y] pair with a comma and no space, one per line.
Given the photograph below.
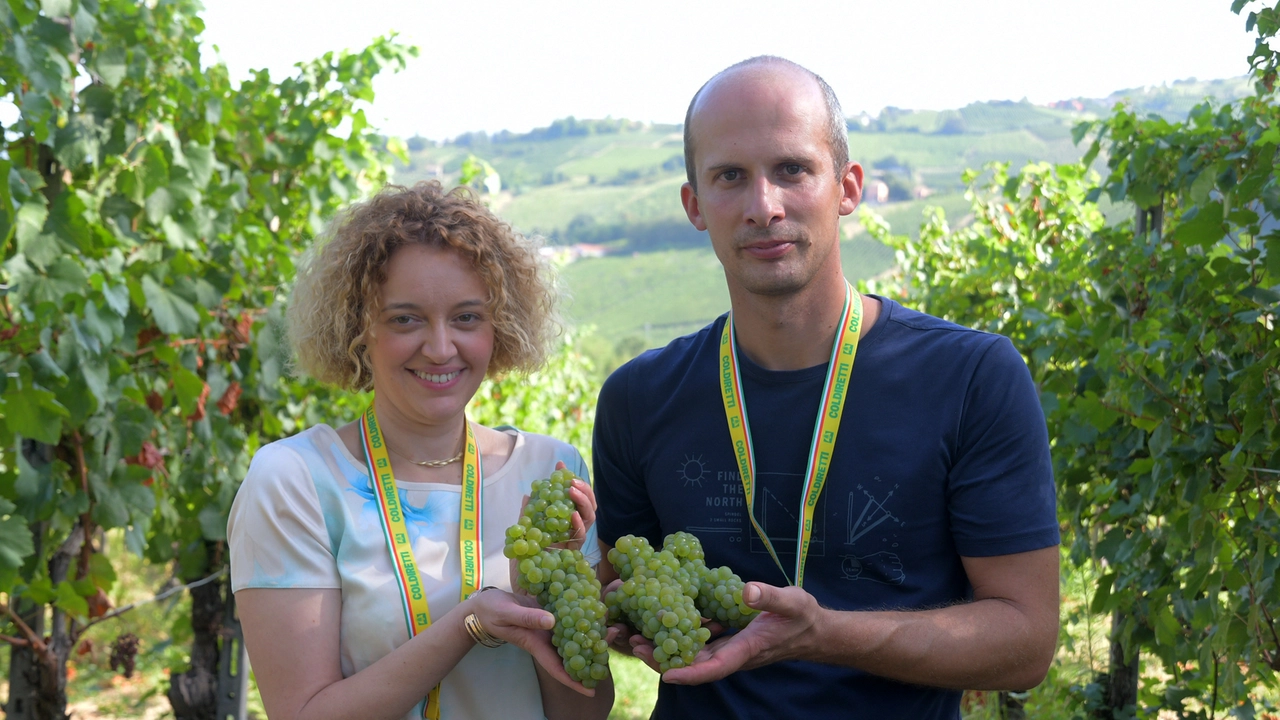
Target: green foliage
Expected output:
[1154,344]
[557,400]
[150,214]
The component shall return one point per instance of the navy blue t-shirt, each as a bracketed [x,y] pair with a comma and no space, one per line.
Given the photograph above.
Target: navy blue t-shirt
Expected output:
[942,453]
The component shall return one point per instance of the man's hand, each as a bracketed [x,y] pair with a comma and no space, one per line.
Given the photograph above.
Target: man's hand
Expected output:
[780,632]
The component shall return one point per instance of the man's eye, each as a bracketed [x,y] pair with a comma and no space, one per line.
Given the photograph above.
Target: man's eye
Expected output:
[792,169]
[729,175]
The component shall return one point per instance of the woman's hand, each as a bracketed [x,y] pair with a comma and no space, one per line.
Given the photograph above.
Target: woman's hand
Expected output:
[585,516]
[518,620]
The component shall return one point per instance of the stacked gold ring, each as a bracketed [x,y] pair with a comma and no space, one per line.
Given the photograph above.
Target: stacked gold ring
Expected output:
[479,634]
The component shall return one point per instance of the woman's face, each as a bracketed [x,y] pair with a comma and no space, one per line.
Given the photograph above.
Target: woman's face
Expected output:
[432,338]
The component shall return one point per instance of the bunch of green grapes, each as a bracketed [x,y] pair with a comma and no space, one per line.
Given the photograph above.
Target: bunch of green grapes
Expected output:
[568,588]
[657,599]
[547,517]
[719,593]
[562,580]
[720,598]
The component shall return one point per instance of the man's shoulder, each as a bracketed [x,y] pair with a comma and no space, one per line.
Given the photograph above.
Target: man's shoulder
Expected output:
[901,324]
[904,317]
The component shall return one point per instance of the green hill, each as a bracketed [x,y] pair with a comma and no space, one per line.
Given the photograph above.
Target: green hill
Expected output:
[616,183]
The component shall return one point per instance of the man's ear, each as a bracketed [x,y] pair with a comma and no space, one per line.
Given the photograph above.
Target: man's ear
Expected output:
[851,183]
[689,198]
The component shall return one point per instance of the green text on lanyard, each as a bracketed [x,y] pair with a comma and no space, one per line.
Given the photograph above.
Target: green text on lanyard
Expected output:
[834,392]
[413,597]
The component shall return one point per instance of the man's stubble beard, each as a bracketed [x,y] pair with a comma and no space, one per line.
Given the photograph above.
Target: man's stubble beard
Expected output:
[783,277]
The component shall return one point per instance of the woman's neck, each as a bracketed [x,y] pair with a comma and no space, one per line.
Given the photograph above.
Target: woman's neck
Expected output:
[412,441]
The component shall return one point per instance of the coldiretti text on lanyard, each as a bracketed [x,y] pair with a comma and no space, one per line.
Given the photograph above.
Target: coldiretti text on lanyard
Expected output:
[413,596]
[834,392]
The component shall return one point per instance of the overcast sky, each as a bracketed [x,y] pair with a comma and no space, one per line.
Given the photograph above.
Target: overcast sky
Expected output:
[495,64]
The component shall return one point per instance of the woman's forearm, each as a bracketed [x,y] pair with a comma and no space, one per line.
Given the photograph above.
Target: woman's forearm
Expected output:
[563,703]
[390,687]
[293,643]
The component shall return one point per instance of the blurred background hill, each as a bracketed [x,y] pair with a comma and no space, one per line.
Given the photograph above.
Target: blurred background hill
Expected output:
[604,193]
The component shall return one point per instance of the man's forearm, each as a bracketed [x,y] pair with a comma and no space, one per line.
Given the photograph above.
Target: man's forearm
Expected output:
[988,644]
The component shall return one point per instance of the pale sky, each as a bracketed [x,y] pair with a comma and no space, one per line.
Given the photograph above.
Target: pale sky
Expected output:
[515,64]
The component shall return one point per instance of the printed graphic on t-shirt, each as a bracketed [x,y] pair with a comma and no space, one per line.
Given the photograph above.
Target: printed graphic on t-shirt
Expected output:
[777,508]
[866,542]
[871,524]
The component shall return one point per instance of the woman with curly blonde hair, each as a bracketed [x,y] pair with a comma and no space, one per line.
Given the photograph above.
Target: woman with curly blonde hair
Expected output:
[361,556]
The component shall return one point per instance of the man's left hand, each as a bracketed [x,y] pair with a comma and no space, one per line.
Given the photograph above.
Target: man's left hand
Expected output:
[780,632]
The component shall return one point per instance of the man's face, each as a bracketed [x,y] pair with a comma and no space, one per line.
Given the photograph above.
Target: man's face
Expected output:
[767,192]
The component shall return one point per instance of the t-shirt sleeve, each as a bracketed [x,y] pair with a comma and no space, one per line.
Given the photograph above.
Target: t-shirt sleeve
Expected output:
[1000,489]
[625,507]
[276,530]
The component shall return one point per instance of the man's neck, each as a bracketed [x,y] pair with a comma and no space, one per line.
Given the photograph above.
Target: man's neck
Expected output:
[793,332]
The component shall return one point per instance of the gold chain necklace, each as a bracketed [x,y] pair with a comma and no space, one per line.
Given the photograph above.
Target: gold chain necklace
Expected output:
[438,463]
[449,461]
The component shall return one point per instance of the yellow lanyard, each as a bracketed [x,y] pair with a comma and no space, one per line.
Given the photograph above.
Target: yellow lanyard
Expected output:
[834,391]
[412,596]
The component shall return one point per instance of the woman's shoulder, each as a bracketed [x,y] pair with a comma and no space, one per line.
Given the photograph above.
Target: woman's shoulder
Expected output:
[542,452]
[295,457]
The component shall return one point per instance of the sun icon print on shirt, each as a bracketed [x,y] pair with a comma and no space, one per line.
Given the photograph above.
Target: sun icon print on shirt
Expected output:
[692,470]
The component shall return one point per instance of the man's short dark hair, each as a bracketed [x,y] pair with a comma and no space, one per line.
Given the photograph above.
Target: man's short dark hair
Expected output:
[837,131]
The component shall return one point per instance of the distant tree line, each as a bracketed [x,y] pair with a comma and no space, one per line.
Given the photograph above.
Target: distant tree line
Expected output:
[648,236]
[562,128]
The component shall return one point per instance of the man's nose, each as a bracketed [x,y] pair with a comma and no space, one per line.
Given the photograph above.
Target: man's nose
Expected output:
[765,206]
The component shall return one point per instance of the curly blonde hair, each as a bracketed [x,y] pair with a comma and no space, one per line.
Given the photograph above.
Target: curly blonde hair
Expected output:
[336,296]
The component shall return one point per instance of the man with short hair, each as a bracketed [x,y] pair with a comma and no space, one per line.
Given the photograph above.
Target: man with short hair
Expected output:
[881,476]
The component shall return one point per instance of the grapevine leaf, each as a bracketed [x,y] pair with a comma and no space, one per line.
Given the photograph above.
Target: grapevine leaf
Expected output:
[35,413]
[6,201]
[104,576]
[172,314]
[189,387]
[26,14]
[159,205]
[104,325]
[133,424]
[15,541]
[111,65]
[63,278]
[117,297]
[139,498]
[66,597]
[40,591]
[110,510]
[29,223]
[84,587]
[1204,227]
[154,170]
[56,8]
[200,163]
[1273,256]
[30,479]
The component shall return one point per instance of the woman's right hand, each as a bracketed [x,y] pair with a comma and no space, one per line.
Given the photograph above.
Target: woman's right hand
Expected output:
[518,620]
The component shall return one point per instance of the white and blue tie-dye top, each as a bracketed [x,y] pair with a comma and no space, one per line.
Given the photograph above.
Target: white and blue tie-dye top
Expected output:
[306,517]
